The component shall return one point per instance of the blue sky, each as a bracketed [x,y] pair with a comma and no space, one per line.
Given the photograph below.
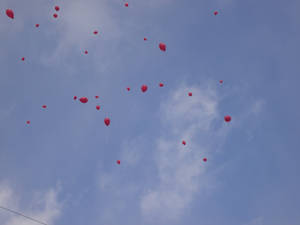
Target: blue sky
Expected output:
[61,169]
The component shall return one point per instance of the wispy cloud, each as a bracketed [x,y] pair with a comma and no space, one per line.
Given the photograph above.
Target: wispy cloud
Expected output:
[256,221]
[75,26]
[180,168]
[45,208]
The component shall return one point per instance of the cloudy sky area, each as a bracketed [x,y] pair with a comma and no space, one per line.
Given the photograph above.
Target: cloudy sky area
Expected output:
[61,169]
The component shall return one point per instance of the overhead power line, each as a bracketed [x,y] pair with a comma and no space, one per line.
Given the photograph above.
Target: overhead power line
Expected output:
[20,214]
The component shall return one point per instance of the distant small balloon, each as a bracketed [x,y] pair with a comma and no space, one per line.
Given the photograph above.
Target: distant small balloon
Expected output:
[75,97]
[145,39]
[144,88]
[119,162]
[107,121]
[37,25]
[95,32]
[190,94]
[83,100]
[162,47]
[183,142]
[10,13]
[98,107]
[96,96]
[28,121]
[55,15]
[126,4]
[44,106]
[216,13]
[86,52]
[23,59]
[56,8]
[128,89]
[161,84]
[205,159]
[227,118]
[221,81]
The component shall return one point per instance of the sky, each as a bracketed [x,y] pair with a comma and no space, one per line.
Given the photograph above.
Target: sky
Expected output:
[61,168]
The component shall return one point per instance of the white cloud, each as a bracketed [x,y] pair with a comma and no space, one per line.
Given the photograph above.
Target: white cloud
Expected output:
[181,169]
[132,151]
[45,208]
[75,28]
[257,106]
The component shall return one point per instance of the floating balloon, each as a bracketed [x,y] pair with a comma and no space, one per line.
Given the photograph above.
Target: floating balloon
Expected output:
[119,162]
[56,8]
[44,106]
[28,121]
[205,159]
[161,84]
[190,94]
[37,25]
[107,121]
[96,96]
[23,59]
[98,107]
[145,39]
[144,88]
[75,97]
[55,15]
[86,52]
[84,99]
[216,13]
[95,32]
[221,81]
[128,89]
[227,118]
[183,142]
[10,13]
[162,47]
[126,4]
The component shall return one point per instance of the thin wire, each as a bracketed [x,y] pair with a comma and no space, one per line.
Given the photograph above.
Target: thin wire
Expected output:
[20,214]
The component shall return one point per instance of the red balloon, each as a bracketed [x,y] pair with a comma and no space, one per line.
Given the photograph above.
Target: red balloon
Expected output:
[56,8]
[183,142]
[128,89]
[227,118]
[205,159]
[86,52]
[216,13]
[107,121]
[119,162]
[10,13]
[97,96]
[84,99]
[55,15]
[126,4]
[161,84]
[28,121]
[162,47]
[190,94]
[23,59]
[37,25]
[75,97]
[221,81]
[145,39]
[44,106]
[98,107]
[144,88]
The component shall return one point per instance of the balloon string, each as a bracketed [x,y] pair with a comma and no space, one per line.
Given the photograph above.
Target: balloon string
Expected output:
[20,214]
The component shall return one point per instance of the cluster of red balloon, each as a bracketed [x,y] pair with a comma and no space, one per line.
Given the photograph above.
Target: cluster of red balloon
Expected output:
[162,46]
